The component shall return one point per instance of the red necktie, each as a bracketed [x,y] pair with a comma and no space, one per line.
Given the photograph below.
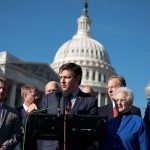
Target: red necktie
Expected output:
[68,106]
[115,112]
[27,113]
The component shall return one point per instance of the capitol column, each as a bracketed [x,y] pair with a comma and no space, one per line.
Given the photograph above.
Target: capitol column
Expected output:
[12,95]
[97,76]
[99,99]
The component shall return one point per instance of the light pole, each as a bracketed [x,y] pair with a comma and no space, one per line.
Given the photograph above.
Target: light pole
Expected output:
[147,91]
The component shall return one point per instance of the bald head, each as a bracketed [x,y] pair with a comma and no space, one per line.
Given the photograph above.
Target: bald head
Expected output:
[87,89]
[52,86]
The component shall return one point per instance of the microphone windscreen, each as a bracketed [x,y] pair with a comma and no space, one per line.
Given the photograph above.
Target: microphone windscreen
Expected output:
[58,94]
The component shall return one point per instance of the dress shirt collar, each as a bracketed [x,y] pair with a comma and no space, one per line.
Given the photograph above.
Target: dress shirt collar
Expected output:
[113,103]
[74,94]
[25,107]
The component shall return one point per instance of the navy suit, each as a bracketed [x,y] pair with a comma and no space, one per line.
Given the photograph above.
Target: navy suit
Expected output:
[127,132]
[107,111]
[9,128]
[85,104]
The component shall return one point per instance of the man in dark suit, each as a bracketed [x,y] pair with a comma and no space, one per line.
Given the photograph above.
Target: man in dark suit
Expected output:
[29,96]
[73,101]
[115,82]
[10,131]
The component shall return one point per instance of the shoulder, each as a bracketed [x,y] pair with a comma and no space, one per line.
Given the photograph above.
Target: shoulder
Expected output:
[87,96]
[148,104]
[136,110]
[135,107]
[19,108]
[10,109]
[136,120]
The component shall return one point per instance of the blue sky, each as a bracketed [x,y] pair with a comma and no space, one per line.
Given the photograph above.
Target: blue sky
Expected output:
[33,30]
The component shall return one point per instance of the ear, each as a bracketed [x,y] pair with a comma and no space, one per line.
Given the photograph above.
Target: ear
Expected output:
[78,78]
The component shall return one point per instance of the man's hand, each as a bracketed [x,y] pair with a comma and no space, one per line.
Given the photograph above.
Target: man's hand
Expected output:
[32,107]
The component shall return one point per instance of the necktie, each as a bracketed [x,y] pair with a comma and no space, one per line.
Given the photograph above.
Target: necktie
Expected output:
[115,112]
[68,105]
[27,113]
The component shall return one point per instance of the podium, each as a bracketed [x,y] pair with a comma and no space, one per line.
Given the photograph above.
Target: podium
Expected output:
[51,127]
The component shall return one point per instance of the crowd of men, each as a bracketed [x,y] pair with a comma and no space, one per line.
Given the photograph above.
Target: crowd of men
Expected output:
[122,116]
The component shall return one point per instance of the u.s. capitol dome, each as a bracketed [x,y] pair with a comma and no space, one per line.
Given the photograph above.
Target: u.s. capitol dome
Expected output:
[90,54]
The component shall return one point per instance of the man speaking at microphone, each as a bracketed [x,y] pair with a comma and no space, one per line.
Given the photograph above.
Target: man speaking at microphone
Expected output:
[73,101]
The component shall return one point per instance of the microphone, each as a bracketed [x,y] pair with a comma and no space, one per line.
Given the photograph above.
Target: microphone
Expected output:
[58,97]
[58,94]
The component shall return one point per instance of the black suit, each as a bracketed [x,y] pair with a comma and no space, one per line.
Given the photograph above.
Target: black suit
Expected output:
[85,104]
[107,111]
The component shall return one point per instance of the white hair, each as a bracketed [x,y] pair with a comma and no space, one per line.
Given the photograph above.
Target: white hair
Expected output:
[127,91]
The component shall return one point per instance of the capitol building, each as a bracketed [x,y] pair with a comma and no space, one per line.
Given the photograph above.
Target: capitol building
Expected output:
[81,49]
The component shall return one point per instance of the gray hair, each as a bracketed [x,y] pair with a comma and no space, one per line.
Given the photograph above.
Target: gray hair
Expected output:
[58,86]
[127,91]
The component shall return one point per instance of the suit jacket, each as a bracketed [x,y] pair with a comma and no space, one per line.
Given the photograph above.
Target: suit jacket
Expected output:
[10,132]
[107,111]
[22,115]
[126,132]
[85,104]
[147,118]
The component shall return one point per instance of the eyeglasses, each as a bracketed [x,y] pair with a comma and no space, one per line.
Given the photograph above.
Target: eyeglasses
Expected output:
[33,95]
[121,100]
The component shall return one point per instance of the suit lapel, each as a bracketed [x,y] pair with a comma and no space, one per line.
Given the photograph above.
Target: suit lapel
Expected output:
[78,102]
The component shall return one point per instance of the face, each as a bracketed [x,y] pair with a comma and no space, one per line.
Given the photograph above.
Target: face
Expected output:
[50,88]
[113,84]
[31,98]
[122,104]
[2,91]
[68,81]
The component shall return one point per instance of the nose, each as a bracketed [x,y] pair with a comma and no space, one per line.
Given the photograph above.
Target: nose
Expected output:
[2,89]
[62,80]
